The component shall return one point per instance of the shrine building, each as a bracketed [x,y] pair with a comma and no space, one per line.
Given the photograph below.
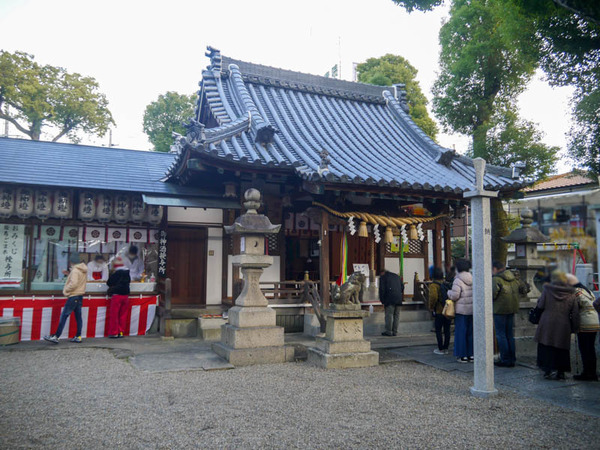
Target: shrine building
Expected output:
[341,165]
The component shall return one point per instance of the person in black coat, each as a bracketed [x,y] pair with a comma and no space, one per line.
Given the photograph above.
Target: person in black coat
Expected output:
[118,290]
[391,289]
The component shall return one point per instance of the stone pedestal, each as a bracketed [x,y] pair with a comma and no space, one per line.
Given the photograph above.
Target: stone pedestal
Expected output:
[343,345]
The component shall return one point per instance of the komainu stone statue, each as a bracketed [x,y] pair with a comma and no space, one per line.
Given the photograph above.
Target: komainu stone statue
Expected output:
[350,291]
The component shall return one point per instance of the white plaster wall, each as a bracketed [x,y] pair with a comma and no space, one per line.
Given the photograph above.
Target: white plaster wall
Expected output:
[214,266]
[271,273]
[195,215]
[411,265]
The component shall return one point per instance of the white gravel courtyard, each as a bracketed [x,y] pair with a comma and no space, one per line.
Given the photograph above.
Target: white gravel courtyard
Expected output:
[86,398]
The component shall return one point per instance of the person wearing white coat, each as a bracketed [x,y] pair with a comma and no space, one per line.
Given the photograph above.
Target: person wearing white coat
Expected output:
[462,296]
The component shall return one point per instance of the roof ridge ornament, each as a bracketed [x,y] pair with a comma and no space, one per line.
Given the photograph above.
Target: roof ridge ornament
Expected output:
[324,164]
[216,61]
[194,132]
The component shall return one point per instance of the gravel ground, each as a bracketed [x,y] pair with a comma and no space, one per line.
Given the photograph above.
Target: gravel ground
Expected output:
[86,398]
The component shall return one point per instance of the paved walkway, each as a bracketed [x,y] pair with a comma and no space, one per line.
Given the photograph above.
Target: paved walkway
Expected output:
[154,354]
[524,379]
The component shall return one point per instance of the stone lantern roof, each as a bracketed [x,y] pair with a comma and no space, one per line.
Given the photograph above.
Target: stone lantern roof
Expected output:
[526,234]
[251,222]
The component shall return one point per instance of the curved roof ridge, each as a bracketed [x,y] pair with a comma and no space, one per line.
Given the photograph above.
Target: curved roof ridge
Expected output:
[272,76]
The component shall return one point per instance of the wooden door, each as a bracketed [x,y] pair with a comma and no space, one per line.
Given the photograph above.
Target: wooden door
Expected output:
[186,265]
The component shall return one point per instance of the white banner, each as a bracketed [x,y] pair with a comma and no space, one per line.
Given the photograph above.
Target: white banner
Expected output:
[12,238]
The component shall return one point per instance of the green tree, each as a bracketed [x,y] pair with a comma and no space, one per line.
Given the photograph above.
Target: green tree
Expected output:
[165,116]
[392,69]
[486,61]
[566,35]
[484,65]
[34,96]
[510,140]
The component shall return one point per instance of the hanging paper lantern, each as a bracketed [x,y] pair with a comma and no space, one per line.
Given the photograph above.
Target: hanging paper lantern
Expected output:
[138,212]
[7,202]
[155,214]
[62,204]
[362,229]
[24,203]
[105,208]
[121,208]
[43,205]
[87,206]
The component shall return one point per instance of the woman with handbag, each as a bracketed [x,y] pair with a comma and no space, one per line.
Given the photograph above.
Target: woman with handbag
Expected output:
[559,318]
[589,325]
[462,296]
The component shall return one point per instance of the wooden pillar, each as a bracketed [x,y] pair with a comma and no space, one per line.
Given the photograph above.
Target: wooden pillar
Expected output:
[426,253]
[447,246]
[324,258]
[437,245]
[381,256]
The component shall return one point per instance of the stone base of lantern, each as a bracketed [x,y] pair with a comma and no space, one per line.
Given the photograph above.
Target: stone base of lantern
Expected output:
[251,337]
[343,346]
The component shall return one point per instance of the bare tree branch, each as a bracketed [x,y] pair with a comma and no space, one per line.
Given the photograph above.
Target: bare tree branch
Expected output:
[577,12]
[16,124]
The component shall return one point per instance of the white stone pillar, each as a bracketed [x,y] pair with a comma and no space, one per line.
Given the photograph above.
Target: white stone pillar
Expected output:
[483,328]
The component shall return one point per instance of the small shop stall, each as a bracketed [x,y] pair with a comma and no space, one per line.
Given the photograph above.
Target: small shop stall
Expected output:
[41,228]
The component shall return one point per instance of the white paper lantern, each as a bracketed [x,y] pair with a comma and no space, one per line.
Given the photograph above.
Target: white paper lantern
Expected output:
[7,202]
[105,207]
[138,212]
[122,208]
[43,204]
[87,206]
[24,203]
[155,214]
[62,204]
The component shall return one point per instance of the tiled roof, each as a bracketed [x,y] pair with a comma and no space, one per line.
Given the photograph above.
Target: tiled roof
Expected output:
[562,181]
[279,118]
[81,166]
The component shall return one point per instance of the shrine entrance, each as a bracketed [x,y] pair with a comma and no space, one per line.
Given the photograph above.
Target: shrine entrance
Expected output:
[186,265]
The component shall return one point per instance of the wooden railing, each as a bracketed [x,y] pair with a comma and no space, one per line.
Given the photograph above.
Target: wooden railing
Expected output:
[283,292]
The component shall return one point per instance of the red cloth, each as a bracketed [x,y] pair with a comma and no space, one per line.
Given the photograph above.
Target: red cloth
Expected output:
[117,314]
[97,275]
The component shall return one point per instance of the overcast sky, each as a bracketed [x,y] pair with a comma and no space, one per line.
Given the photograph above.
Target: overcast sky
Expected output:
[140,49]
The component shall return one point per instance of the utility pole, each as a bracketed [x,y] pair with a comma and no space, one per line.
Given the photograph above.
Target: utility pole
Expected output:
[6,122]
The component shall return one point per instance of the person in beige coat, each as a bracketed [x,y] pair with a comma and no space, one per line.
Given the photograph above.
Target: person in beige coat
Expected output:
[73,290]
[462,296]
[589,325]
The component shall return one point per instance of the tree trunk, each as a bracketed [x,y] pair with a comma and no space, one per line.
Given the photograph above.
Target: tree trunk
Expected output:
[499,216]
[499,229]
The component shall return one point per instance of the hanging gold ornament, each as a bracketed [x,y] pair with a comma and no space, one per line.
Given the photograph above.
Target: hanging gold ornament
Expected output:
[389,236]
[362,229]
[413,235]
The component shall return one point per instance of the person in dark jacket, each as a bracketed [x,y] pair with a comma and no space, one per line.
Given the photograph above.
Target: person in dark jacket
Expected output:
[560,318]
[118,290]
[505,294]
[436,306]
[391,289]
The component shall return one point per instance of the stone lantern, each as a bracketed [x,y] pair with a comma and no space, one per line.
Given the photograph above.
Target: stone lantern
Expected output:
[251,337]
[526,259]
